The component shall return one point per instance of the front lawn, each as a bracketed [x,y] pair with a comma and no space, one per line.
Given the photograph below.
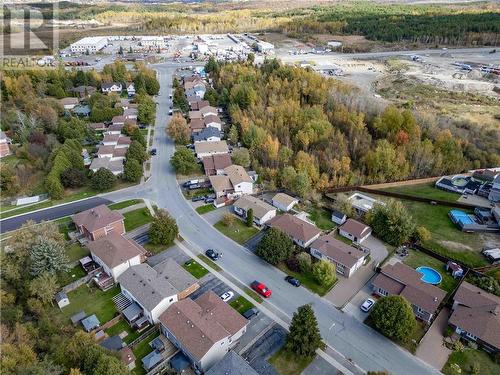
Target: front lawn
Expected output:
[136,218]
[93,301]
[241,304]
[238,232]
[196,193]
[322,218]
[257,298]
[467,360]
[288,363]
[156,249]
[416,259]
[425,190]
[76,252]
[307,280]
[124,204]
[204,209]
[210,262]
[121,326]
[195,268]
[141,350]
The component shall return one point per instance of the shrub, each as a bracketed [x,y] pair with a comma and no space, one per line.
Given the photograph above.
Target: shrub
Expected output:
[102,180]
[132,171]
[304,260]
[324,272]
[393,317]
[163,229]
[73,178]
[275,246]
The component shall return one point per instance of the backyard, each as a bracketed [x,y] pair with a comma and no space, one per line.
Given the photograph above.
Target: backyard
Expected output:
[92,301]
[425,190]
[76,252]
[238,231]
[123,326]
[136,218]
[195,268]
[322,218]
[141,350]
[288,363]
[471,362]
[73,274]
[416,259]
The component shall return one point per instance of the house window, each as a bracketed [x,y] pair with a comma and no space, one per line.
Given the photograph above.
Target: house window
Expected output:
[419,310]
[171,300]
[383,292]
[471,336]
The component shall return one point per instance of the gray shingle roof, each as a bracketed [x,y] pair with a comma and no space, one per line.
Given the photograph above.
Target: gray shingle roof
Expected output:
[231,364]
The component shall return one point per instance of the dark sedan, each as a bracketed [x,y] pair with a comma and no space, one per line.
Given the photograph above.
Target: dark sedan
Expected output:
[212,254]
[293,281]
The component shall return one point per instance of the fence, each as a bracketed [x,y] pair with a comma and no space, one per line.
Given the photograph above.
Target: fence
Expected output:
[77,283]
[145,334]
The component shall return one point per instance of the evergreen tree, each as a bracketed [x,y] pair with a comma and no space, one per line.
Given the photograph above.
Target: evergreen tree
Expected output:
[304,337]
[132,170]
[102,180]
[393,317]
[163,229]
[275,246]
[48,256]
[249,217]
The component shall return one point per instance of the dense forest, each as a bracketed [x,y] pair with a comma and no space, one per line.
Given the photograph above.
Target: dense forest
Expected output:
[47,141]
[307,133]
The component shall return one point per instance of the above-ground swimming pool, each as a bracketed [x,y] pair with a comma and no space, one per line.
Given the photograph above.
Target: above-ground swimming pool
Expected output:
[429,275]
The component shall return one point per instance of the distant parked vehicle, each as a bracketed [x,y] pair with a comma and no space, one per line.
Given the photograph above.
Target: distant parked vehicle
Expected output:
[293,281]
[153,152]
[194,186]
[170,112]
[261,288]
[197,199]
[190,182]
[367,305]
[212,254]
[209,200]
[142,126]
[250,313]
[227,296]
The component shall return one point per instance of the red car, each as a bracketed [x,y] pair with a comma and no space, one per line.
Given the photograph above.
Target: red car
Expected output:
[262,289]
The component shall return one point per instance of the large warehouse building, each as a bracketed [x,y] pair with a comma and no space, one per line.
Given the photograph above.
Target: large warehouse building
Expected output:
[92,44]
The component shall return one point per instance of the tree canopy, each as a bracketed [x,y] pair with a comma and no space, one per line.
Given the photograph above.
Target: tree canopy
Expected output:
[391,222]
[304,337]
[393,317]
[275,246]
[163,229]
[184,161]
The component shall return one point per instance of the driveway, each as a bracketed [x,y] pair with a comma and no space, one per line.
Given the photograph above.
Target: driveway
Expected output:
[252,243]
[352,307]
[173,252]
[378,250]
[431,348]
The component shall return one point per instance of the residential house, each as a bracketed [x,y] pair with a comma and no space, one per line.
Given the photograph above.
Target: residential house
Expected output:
[112,87]
[69,103]
[115,166]
[213,121]
[284,202]
[115,129]
[4,144]
[195,114]
[262,212]
[130,114]
[338,217]
[196,125]
[208,111]
[116,140]
[97,126]
[362,203]
[215,164]
[115,253]
[221,185]
[400,279]
[84,91]
[203,149]
[198,104]
[105,151]
[485,175]
[62,299]
[494,195]
[81,110]
[118,120]
[98,222]
[197,90]
[127,357]
[154,289]
[355,231]
[204,329]
[130,89]
[476,316]
[113,343]
[209,134]
[300,231]
[241,181]
[231,364]
[347,259]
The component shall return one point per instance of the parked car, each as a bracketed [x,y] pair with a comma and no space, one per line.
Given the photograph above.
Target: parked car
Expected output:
[227,296]
[250,313]
[153,152]
[367,305]
[170,112]
[293,281]
[209,200]
[194,186]
[261,288]
[142,126]
[197,199]
[212,254]
[190,182]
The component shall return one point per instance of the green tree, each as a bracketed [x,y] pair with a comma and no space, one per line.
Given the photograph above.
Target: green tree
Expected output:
[146,109]
[233,135]
[136,151]
[138,137]
[393,317]
[302,184]
[324,272]
[48,256]
[103,180]
[228,219]
[343,205]
[249,218]
[212,66]
[391,222]
[184,161]
[179,100]
[73,178]
[9,182]
[44,287]
[304,260]
[132,170]
[422,234]
[212,97]
[241,156]
[304,337]
[275,246]
[163,229]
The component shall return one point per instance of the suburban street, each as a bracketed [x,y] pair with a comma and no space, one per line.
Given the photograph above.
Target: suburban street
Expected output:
[341,331]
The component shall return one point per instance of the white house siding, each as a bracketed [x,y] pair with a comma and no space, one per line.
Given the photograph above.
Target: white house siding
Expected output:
[215,125]
[161,307]
[201,155]
[268,216]
[117,270]
[352,238]
[244,188]
[282,207]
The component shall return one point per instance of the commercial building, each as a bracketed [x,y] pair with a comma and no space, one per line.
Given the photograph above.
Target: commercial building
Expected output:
[91,44]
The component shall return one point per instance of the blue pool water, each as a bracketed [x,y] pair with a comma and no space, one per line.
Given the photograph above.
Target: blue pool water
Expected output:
[429,275]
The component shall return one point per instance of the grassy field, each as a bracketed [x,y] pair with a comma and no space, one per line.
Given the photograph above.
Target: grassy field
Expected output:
[155,249]
[210,262]
[288,363]
[322,218]
[425,191]
[416,259]
[307,280]
[469,358]
[195,268]
[120,327]
[73,274]
[254,295]
[241,304]
[238,232]
[206,208]
[137,218]
[196,193]
[124,204]
[92,301]
[141,350]
[64,224]
[76,252]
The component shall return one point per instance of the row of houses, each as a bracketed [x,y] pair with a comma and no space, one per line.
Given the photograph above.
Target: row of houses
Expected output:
[482,182]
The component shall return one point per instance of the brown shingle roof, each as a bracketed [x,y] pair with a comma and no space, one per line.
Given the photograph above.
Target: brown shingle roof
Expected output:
[284,199]
[199,104]
[114,249]
[294,227]
[337,250]
[120,152]
[118,119]
[123,140]
[354,227]
[199,324]
[478,313]
[220,183]
[259,207]
[217,146]
[208,109]
[69,101]
[97,217]
[196,124]
[237,174]
[195,114]
[212,118]
[213,163]
[105,150]
[111,138]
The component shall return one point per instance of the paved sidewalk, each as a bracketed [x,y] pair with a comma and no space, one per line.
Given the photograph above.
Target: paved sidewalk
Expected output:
[431,348]
[131,208]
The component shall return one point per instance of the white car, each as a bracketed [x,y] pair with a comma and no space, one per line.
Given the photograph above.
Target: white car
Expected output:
[367,305]
[227,296]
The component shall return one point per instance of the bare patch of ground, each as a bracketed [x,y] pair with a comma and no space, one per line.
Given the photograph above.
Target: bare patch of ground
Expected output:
[455,246]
